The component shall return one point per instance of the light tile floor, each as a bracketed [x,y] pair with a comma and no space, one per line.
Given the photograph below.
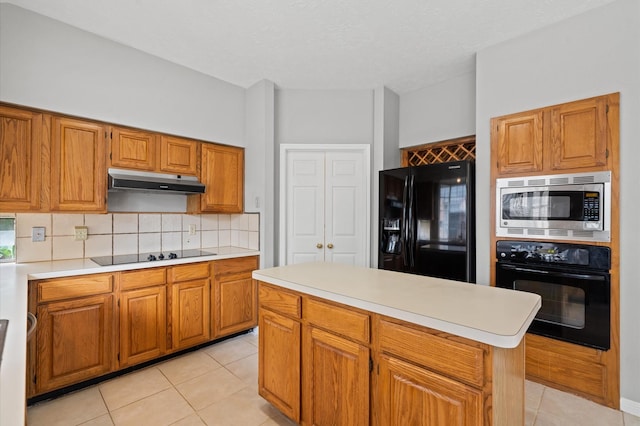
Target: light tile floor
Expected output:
[217,385]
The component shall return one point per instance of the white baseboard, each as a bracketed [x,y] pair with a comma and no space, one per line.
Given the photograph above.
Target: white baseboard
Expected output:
[629,406]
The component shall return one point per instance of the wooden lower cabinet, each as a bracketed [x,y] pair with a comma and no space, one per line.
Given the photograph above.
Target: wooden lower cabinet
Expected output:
[361,368]
[190,313]
[279,358]
[74,341]
[335,380]
[95,324]
[142,313]
[143,325]
[410,395]
[190,289]
[572,368]
[234,296]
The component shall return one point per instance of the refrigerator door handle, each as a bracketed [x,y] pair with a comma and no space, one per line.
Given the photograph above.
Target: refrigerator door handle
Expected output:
[404,232]
[410,223]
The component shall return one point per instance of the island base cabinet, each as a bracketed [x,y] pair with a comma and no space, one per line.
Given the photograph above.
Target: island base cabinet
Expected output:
[409,395]
[335,380]
[279,358]
[74,341]
[358,367]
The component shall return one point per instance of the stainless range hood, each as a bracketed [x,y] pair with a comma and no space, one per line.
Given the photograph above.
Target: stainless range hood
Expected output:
[131,180]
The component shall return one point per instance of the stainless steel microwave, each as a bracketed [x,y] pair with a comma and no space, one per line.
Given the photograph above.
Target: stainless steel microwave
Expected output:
[573,206]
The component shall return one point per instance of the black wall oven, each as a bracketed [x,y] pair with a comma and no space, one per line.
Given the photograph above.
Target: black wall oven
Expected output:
[573,281]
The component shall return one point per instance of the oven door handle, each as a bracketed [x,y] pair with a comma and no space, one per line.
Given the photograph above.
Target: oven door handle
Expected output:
[555,273]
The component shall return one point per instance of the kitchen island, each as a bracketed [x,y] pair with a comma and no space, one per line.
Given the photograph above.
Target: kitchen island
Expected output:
[349,345]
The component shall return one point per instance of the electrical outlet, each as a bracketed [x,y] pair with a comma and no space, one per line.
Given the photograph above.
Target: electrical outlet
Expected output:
[37,234]
[192,229]
[81,233]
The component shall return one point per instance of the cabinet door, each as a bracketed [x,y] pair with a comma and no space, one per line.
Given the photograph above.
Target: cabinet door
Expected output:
[143,325]
[178,155]
[279,358]
[579,136]
[78,166]
[190,313]
[235,304]
[222,171]
[133,149]
[519,142]
[20,170]
[74,340]
[335,380]
[409,395]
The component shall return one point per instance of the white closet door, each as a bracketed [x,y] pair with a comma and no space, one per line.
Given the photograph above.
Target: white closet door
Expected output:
[345,208]
[305,207]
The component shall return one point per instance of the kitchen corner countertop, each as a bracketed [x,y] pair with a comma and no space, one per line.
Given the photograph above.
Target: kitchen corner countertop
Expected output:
[14,278]
[495,316]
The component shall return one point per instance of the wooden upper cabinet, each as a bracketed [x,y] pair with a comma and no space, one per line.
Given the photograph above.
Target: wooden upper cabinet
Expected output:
[222,171]
[178,155]
[133,149]
[571,137]
[579,136]
[20,159]
[78,165]
[519,142]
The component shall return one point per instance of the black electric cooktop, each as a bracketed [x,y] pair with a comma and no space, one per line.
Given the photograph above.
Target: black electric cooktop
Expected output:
[148,257]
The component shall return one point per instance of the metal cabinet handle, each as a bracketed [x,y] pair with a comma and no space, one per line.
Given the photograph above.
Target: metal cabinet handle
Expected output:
[319,245]
[33,322]
[330,246]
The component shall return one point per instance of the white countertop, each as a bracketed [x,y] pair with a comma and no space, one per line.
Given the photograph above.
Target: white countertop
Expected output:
[495,316]
[13,306]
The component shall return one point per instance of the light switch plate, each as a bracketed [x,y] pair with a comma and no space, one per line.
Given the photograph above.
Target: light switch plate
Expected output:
[81,233]
[192,229]
[37,234]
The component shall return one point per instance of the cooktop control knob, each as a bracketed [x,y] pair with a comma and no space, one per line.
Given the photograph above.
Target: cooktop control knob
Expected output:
[161,256]
[151,258]
[173,256]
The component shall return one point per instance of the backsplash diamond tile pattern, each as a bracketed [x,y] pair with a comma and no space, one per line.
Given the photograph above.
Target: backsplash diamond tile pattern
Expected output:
[127,233]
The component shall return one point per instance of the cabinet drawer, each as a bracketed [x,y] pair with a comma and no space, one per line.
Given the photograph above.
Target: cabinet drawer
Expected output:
[449,357]
[142,278]
[347,322]
[189,272]
[233,266]
[279,301]
[72,287]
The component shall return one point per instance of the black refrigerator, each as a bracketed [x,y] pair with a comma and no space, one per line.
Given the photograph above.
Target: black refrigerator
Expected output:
[427,220]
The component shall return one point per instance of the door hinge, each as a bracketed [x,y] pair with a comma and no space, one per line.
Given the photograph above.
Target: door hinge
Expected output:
[370,365]
[606,109]
[118,303]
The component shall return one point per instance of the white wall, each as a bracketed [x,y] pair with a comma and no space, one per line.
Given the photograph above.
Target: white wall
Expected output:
[324,116]
[50,65]
[439,112]
[385,152]
[259,176]
[589,55]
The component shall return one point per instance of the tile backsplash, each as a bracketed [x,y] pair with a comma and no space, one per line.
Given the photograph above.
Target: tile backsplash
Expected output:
[126,233]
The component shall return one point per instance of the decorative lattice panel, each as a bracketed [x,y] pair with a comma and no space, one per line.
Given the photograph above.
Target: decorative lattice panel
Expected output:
[456,150]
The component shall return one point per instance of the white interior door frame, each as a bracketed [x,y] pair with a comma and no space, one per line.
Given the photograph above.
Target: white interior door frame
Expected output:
[285,150]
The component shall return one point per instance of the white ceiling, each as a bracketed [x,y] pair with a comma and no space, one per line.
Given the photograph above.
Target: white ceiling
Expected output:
[315,44]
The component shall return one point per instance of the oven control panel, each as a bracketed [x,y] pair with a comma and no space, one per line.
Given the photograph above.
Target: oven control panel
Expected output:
[535,252]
